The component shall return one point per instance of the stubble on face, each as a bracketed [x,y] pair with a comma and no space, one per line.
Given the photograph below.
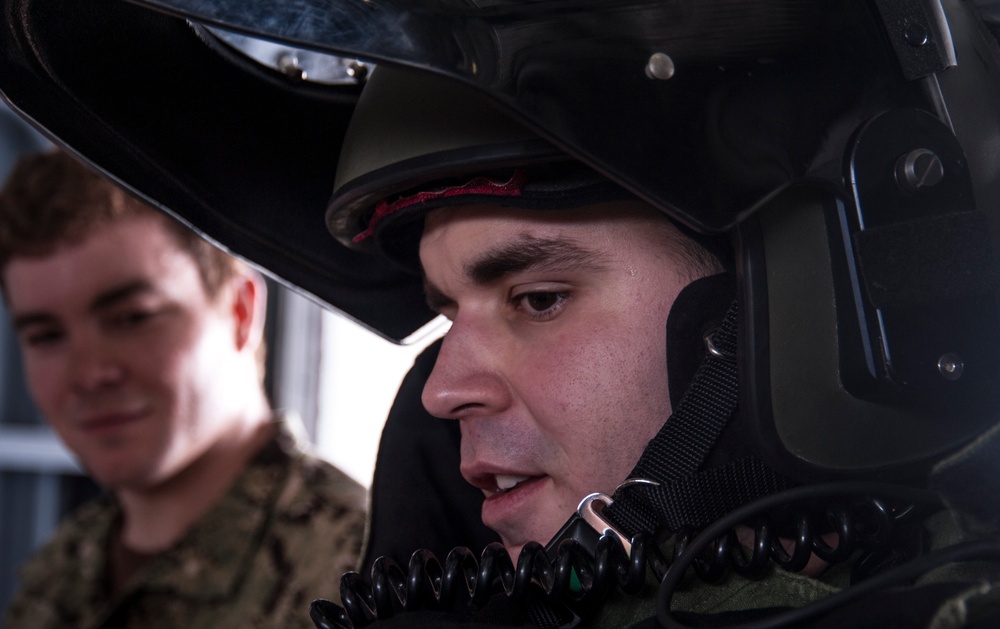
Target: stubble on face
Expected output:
[567,399]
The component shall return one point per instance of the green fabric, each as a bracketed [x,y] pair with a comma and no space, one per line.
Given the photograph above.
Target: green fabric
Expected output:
[783,589]
[777,589]
[279,538]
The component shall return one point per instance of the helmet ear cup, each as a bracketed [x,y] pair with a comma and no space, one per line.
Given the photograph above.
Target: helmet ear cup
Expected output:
[807,423]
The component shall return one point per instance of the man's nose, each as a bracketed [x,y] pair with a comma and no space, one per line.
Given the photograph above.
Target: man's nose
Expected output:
[467,379]
[93,365]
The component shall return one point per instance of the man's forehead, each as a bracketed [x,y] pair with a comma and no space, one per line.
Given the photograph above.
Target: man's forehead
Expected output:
[608,213]
[486,243]
[132,252]
[557,229]
[495,223]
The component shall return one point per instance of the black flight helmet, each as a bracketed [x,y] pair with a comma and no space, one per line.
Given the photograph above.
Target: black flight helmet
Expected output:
[847,150]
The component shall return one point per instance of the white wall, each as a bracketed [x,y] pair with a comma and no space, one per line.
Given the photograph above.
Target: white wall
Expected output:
[360,373]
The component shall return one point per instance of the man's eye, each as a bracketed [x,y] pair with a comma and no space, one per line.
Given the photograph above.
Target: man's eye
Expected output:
[41,338]
[131,319]
[541,301]
[541,305]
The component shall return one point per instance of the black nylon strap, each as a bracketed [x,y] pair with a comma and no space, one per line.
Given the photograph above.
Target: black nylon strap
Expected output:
[685,496]
[680,447]
[702,498]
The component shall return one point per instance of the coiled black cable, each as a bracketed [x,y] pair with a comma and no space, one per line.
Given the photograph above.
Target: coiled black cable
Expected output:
[463,580]
[866,521]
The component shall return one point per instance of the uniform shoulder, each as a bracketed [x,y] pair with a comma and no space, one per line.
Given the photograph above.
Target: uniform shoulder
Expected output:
[322,479]
[318,525]
[77,547]
[311,478]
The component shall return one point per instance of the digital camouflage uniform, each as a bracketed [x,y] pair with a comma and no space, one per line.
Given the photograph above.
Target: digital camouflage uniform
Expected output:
[279,538]
[945,598]
[952,595]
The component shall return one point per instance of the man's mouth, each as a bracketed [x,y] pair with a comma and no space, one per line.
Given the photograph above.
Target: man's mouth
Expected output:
[506,482]
[111,420]
[511,498]
[494,483]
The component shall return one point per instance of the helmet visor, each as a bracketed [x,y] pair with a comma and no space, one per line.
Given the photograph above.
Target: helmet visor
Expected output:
[693,105]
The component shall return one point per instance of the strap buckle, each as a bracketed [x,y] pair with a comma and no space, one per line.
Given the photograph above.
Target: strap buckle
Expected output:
[591,511]
[588,524]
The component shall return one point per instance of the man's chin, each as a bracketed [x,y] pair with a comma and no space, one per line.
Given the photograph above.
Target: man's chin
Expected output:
[514,550]
[122,479]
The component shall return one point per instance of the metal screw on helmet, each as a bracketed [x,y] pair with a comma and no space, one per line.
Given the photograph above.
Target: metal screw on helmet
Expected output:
[916,35]
[357,70]
[919,169]
[951,366]
[660,66]
[288,63]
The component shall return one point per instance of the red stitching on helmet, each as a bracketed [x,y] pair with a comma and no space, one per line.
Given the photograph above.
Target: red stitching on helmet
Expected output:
[478,186]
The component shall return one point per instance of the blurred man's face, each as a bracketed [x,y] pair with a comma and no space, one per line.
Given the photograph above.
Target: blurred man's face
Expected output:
[125,354]
[555,363]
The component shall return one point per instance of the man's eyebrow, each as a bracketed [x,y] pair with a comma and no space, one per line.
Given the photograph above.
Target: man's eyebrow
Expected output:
[523,254]
[120,293]
[532,253]
[21,321]
[102,301]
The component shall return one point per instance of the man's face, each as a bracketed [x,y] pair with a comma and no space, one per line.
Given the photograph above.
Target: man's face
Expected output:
[555,363]
[125,354]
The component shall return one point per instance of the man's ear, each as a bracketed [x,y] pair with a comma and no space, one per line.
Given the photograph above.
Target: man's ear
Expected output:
[249,307]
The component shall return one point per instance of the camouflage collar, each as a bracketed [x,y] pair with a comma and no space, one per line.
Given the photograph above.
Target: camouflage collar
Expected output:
[210,560]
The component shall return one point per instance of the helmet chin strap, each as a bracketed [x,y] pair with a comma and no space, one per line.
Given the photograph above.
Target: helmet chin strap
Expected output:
[687,475]
[683,492]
